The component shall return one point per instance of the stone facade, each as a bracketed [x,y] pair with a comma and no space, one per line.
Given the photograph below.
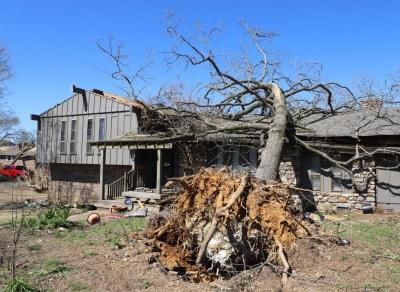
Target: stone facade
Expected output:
[290,167]
[290,173]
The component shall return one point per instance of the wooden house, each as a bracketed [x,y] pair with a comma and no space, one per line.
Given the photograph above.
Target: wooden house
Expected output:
[64,137]
[9,152]
[92,141]
[94,149]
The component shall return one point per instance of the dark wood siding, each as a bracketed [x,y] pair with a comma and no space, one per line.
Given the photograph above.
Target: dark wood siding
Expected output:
[119,119]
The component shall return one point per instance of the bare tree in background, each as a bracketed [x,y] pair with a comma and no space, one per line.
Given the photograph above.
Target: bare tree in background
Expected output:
[24,136]
[8,121]
[6,72]
[252,90]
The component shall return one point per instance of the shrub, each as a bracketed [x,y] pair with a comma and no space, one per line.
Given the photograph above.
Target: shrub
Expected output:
[54,217]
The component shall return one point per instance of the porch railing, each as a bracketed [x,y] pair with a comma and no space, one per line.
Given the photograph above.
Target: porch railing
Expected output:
[123,184]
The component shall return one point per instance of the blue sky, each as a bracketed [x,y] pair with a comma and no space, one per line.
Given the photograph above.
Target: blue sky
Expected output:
[52,42]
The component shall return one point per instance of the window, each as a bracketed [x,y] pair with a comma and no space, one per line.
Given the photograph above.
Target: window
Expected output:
[243,159]
[9,157]
[72,144]
[89,135]
[315,171]
[62,138]
[325,176]
[235,158]
[336,183]
[253,160]
[101,129]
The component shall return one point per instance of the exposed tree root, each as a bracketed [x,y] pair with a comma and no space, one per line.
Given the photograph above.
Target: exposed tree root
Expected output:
[200,258]
[284,261]
[225,222]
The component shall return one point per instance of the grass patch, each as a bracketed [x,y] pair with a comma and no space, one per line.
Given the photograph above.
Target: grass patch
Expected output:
[381,234]
[20,284]
[52,266]
[116,230]
[90,255]
[77,235]
[34,247]
[59,235]
[77,286]
[379,287]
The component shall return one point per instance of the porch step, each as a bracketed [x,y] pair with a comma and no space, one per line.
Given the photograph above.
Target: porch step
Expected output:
[146,195]
[106,204]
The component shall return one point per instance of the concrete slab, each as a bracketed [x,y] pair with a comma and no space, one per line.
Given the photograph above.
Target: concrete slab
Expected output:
[145,195]
[83,216]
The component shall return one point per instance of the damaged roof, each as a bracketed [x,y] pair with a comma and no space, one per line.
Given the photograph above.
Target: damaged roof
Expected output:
[361,123]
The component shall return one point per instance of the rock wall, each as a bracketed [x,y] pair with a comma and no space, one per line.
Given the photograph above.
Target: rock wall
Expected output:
[290,173]
[290,167]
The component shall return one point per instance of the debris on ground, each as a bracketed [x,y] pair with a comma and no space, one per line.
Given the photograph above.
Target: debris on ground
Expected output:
[225,222]
[38,204]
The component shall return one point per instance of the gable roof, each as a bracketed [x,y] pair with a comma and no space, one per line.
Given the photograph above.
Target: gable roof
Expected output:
[15,150]
[96,92]
[361,123]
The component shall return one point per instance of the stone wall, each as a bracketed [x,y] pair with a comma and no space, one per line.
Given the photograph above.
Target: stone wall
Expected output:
[290,167]
[290,173]
[80,182]
[358,197]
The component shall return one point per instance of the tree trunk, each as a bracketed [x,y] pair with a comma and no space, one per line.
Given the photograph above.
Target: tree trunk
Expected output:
[271,154]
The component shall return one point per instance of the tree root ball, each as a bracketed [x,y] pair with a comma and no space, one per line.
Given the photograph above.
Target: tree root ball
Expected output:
[247,233]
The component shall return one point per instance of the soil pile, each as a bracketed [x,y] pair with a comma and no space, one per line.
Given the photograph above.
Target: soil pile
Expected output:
[225,222]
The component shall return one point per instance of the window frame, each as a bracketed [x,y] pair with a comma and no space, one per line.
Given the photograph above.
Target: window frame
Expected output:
[314,173]
[332,181]
[89,148]
[337,176]
[101,129]
[72,132]
[63,137]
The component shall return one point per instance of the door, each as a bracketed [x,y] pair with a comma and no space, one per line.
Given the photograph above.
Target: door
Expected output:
[388,182]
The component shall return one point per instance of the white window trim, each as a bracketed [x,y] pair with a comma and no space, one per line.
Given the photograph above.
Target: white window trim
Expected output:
[65,136]
[104,129]
[88,141]
[73,141]
[98,132]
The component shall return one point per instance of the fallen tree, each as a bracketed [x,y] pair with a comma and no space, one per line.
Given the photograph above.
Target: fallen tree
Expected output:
[226,222]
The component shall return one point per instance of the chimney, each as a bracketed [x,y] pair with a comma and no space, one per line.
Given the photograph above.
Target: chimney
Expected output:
[372,103]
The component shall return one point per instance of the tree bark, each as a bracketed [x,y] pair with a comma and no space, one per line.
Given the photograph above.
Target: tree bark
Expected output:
[271,154]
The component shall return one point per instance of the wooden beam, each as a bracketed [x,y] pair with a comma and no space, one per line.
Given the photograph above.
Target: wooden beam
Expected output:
[159,170]
[102,168]
[77,89]
[134,146]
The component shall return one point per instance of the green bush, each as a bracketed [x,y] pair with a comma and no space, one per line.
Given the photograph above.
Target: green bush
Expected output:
[54,217]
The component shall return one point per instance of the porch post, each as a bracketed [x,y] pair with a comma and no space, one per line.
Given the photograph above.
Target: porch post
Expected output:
[159,170]
[102,166]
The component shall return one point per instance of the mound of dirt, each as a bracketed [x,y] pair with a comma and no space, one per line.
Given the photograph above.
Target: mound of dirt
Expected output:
[225,222]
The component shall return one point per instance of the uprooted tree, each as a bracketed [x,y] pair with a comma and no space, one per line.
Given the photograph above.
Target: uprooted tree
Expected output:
[253,91]
[257,83]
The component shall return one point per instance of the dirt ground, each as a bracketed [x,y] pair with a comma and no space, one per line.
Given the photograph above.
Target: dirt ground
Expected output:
[86,259]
